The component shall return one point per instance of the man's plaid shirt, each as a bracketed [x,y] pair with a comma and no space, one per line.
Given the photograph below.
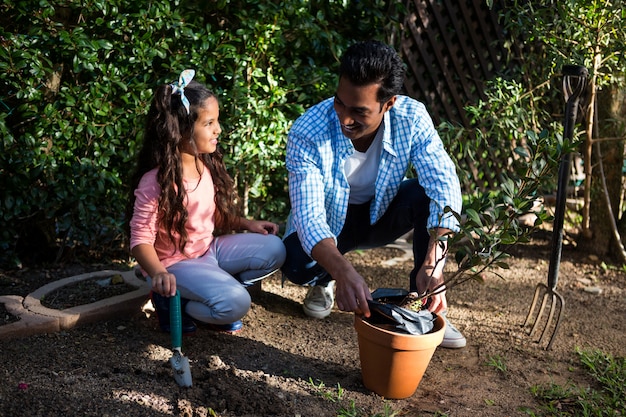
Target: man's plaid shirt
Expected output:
[318,189]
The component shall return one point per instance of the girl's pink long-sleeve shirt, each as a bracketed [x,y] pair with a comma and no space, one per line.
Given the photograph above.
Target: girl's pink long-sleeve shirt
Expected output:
[200,224]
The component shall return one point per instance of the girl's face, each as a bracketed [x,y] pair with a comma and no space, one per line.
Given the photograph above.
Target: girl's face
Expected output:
[207,127]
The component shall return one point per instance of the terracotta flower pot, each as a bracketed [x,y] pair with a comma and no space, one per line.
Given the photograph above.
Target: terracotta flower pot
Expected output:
[393,364]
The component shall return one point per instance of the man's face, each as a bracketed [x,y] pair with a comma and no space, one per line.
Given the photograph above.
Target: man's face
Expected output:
[359,113]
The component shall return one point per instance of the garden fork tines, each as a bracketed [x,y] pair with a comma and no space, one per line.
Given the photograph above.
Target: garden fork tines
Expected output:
[554,302]
[574,84]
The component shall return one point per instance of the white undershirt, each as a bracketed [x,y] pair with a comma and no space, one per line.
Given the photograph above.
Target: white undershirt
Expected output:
[361,170]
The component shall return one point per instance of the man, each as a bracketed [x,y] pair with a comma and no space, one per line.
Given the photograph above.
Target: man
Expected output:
[347,158]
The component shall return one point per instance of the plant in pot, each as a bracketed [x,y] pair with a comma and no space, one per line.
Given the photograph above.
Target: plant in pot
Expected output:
[393,361]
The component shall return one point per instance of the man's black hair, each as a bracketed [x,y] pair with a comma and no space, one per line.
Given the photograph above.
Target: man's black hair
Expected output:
[374,62]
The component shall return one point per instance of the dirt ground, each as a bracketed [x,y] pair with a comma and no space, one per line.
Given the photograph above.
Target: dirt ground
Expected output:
[285,364]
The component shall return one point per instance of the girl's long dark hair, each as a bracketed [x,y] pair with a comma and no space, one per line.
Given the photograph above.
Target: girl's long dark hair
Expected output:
[168,126]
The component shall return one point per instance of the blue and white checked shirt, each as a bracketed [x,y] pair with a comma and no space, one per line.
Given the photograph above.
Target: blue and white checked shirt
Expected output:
[318,189]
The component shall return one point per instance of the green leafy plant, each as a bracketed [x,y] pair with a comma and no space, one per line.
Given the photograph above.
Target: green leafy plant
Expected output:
[77,79]
[508,156]
[490,224]
[592,34]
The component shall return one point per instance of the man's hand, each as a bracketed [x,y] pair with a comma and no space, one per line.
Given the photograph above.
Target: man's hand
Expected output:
[352,290]
[353,293]
[427,275]
[430,274]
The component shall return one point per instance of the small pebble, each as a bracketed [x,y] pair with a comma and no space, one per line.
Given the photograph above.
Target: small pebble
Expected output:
[104,282]
[593,290]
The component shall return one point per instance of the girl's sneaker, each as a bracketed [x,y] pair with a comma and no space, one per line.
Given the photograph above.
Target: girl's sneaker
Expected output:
[231,328]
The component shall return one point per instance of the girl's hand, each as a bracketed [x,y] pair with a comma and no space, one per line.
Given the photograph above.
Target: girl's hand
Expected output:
[164,283]
[260,226]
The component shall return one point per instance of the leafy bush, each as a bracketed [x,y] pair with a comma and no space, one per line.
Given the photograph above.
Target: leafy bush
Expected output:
[77,78]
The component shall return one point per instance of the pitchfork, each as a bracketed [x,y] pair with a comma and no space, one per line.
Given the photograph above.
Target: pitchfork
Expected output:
[574,84]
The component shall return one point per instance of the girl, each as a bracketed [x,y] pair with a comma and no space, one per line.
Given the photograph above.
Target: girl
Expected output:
[183,213]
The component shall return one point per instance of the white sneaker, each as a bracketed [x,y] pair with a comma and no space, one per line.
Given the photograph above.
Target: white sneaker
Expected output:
[319,301]
[452,338]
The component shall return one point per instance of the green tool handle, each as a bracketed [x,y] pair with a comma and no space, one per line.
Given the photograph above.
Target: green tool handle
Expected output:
[176,326]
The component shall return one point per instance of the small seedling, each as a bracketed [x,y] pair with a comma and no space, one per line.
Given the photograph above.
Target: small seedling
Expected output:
[412,302]
[606,398]
[351,411]
[327,393]
[498,362]
[387,412]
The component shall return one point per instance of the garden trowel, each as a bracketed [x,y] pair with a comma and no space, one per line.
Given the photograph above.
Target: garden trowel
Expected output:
[180,363]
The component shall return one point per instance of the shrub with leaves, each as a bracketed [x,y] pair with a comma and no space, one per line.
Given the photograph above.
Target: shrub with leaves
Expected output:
[77,78]
[490,223]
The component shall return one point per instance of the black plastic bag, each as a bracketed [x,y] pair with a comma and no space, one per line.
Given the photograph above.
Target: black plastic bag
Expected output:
[386,314]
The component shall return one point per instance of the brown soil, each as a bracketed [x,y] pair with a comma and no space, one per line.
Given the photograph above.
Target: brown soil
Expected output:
[285,364]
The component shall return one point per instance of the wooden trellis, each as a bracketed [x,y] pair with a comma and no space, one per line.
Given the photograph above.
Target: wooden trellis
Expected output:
[451,48]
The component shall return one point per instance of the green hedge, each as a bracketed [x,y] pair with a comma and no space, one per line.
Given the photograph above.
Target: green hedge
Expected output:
[76,79]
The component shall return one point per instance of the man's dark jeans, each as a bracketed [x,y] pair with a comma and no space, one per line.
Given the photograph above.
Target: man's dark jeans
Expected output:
[408,210]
